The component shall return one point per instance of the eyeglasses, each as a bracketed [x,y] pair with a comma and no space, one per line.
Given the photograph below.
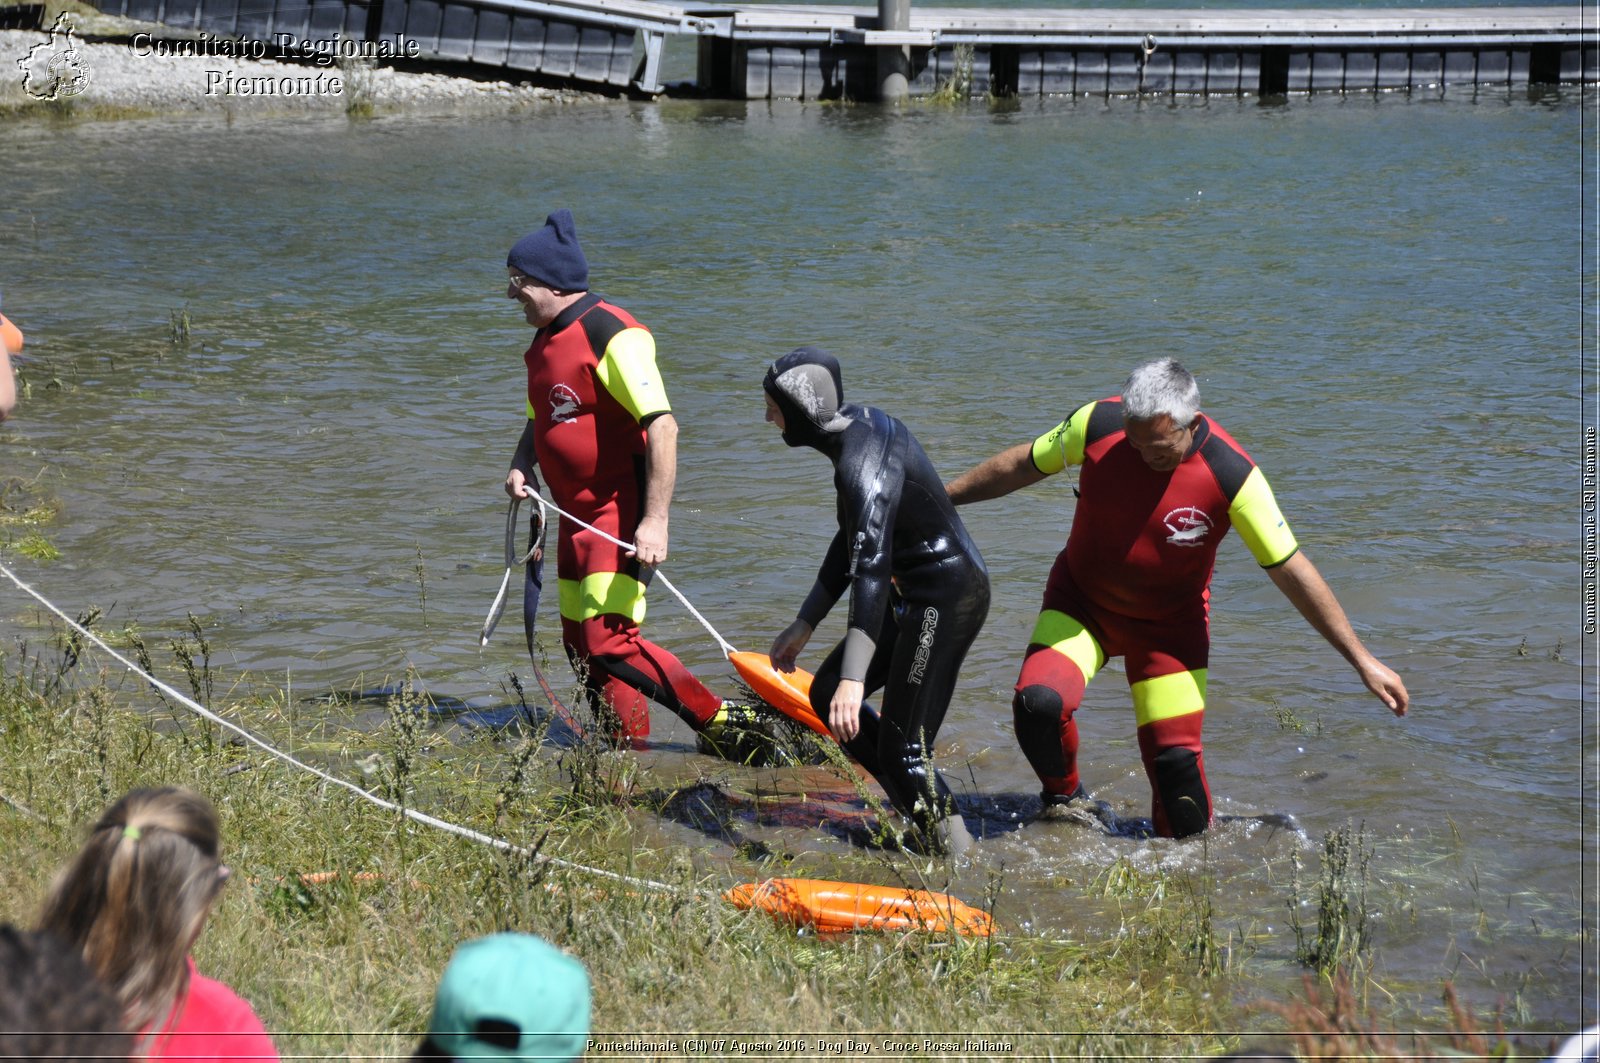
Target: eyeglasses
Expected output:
[518,280]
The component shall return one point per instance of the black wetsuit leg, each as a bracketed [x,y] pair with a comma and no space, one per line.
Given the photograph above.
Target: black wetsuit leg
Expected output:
[863,748]
[919,655]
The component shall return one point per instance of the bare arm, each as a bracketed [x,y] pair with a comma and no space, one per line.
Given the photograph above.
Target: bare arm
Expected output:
[8,384]
[10,343]
[1303,585]
[1002,474]
[660,478]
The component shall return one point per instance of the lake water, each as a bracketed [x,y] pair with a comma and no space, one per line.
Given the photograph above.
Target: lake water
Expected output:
[1383,298]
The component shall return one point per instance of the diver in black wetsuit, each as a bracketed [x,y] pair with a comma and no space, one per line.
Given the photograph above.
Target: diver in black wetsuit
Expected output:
[919,590]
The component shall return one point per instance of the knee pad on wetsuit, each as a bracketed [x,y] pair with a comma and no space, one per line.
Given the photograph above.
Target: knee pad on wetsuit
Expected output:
[1182,789]
[1037,706]
[1036,714]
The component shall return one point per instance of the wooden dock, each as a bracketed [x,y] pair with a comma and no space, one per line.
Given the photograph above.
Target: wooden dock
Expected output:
[771,51]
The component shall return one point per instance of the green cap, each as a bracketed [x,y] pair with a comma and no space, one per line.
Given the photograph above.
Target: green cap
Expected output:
[511,996]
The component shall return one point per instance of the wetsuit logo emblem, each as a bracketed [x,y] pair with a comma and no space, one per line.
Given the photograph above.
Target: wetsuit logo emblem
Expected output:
[563,404]
[1189,526]
[919,663]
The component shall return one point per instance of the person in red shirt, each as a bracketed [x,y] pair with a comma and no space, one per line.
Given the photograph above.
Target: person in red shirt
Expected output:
[133,902]
[10,344]
[1160,485]
[600,426]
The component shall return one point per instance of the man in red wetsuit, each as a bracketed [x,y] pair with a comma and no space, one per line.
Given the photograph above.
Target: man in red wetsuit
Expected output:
[600,427]
[1160,485]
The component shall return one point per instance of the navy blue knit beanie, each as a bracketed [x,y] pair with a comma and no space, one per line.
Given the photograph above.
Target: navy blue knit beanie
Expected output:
[552,256]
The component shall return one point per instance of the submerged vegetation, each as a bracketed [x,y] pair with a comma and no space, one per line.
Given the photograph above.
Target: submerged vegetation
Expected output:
[181,327]
[360,84]
[1340,937]
[25,510]
[344,912]
[957,85]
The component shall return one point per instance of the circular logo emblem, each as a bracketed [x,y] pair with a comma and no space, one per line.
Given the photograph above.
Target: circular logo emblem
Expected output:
[68,73]
[563,404]
[1187,526]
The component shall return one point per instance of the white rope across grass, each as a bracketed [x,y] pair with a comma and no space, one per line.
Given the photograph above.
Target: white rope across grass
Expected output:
[804,902]
[366,795]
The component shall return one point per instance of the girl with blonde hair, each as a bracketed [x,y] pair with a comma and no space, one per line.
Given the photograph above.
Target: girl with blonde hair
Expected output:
[134,901]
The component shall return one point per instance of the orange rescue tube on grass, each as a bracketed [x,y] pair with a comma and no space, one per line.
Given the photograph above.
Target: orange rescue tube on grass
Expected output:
[838,907]
[788,692]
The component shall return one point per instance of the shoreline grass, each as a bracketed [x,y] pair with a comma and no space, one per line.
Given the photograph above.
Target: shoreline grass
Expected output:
[345,968]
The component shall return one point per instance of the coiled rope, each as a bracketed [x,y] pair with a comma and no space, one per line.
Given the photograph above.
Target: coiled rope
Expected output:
[366,795]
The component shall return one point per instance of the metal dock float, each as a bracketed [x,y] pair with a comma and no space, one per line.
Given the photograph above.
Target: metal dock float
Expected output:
[772,51]
[591,43]
[824,52]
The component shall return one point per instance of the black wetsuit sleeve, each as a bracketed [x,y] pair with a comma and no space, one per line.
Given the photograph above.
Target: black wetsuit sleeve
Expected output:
[832,578]
[871,475]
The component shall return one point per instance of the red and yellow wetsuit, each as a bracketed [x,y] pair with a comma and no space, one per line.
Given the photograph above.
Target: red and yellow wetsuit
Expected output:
[593,388]
[1134,581]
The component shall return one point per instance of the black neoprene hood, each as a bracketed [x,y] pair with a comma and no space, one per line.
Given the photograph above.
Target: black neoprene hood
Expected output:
[809,390]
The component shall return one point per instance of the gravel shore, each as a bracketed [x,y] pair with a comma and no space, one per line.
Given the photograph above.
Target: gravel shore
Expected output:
[114,67]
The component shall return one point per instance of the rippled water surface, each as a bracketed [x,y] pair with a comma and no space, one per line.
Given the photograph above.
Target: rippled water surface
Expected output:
[1381,296]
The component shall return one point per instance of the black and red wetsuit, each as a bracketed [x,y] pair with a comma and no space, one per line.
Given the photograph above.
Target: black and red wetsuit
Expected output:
[1134,581]
[593,388]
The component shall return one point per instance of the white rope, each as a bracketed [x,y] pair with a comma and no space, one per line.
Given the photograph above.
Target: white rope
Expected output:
[409,813]
[727,647]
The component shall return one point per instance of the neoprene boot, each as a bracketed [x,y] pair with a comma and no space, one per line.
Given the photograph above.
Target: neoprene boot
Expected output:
[738,732]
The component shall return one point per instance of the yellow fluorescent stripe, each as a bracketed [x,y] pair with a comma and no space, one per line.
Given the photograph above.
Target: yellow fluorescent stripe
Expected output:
[1047,450]
[1167,696]
[628,371]
[600,593]
[1076,440]
[1064,444]
[1067,637]
[1261,525]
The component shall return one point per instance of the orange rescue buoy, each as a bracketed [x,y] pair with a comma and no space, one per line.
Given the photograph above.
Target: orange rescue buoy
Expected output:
[838,907]
[10,336]
[323,878]
[788,692]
